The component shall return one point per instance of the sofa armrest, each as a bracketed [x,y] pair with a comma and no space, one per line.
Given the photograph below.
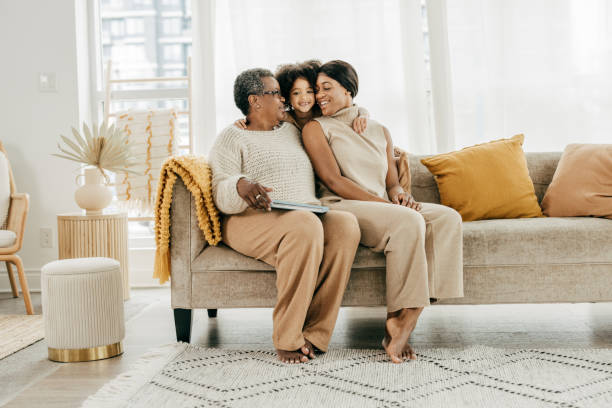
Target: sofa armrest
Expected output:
[186,243]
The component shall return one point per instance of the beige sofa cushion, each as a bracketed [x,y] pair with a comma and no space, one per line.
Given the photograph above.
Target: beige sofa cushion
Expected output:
[222,258]
[537,241]
[525,241]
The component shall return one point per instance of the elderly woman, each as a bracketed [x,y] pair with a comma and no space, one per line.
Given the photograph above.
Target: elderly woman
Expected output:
[312,255]
[422,242]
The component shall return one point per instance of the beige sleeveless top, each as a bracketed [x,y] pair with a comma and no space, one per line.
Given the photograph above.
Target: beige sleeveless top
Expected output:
[361,158]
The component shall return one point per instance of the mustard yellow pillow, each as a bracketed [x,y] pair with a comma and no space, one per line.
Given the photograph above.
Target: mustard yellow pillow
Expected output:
[488,180]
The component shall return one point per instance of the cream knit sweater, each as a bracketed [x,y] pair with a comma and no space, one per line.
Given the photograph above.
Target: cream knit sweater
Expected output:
[274,158]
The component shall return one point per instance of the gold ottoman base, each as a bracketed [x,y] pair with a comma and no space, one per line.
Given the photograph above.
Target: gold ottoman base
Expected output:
[85,354]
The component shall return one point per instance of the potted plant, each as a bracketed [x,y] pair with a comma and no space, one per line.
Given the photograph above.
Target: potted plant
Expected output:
[108,148]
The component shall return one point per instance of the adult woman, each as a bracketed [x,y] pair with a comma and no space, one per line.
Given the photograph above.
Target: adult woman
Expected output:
[312,255]
[422,242]
[297,84]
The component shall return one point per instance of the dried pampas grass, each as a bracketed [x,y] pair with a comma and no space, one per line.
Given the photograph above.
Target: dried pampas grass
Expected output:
[107,149]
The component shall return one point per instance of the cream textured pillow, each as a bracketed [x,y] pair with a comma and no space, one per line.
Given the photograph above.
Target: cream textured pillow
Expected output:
[582,184]
[5,190]
[489,180]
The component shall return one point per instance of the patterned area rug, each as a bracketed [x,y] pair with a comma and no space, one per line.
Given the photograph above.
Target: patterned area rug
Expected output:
[19,331]
[181,375]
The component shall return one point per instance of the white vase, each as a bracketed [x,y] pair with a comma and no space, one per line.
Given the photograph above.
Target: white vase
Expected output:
[94,195]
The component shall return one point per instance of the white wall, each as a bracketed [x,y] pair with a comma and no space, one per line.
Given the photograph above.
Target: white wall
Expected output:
[39,36]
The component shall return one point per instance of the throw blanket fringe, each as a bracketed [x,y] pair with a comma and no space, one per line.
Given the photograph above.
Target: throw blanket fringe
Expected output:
[196,174]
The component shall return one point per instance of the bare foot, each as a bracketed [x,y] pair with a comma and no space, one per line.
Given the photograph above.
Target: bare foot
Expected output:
[398,327]
[291,357]
[408,353]
[308,349]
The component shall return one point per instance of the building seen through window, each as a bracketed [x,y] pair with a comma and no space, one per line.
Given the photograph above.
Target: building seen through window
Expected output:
[145,38]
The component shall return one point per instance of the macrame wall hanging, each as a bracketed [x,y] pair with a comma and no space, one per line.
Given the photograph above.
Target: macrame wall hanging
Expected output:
[153,137]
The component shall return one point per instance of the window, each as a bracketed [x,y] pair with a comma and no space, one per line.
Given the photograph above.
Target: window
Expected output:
[173,52]
[130,53]
[172,26]
[117,27]
[130,34]
[134,26]
[171,3]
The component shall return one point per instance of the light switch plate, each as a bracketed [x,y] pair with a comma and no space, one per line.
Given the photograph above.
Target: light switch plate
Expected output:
[46,238]
[47,82]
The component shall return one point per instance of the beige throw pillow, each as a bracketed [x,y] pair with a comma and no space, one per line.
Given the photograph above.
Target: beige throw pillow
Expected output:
[582,184]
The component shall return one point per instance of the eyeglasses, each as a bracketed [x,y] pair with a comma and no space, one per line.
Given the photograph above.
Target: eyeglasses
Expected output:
[275,93]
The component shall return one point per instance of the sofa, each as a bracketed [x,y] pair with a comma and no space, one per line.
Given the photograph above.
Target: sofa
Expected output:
[527,260]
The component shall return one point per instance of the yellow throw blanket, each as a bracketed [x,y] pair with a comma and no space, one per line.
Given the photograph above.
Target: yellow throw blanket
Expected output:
[196,175]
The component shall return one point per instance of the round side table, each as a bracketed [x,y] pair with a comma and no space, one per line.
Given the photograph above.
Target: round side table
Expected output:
[87,236]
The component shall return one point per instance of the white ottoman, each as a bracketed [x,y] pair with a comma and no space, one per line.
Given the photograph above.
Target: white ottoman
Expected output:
[82,302]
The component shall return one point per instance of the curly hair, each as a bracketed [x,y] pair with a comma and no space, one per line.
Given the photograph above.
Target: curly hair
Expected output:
[288,73]
[249,83]
[344,73]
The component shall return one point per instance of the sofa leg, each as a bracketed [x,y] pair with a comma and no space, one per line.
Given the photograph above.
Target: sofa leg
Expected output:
[212,313]
[182,323]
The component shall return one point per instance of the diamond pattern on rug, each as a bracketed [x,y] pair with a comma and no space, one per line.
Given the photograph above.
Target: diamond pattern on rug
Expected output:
[473,377]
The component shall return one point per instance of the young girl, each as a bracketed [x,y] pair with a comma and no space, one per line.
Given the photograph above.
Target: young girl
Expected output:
[297,84]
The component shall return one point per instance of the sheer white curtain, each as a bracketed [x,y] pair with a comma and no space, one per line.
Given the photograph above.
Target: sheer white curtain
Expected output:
[370,34]
[541,68]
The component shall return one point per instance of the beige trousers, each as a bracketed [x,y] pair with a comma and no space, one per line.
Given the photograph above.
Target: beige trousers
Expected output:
[312,255]
[424,249]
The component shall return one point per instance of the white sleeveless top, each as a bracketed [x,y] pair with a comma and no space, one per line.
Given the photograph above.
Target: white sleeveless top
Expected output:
[361,158]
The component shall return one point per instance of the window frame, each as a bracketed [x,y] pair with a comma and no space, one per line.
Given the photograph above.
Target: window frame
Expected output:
[97,71]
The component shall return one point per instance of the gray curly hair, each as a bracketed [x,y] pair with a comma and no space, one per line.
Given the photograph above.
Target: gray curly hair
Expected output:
[249,83]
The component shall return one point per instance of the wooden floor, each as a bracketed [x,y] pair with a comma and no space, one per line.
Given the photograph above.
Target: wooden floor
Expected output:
[583,325]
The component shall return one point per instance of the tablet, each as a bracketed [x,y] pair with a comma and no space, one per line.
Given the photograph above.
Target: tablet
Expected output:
[288,205]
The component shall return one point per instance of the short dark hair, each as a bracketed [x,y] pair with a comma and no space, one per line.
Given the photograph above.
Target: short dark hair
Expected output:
[249,83]
[288,73]
[344,73]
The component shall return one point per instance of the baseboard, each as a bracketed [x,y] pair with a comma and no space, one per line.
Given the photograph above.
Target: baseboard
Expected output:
[32,276]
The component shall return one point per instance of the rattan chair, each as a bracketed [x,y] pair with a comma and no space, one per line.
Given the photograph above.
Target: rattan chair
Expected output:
[18,212]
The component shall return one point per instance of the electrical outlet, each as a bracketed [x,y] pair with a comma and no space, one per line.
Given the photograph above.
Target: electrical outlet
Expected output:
[47,82]
[46,238]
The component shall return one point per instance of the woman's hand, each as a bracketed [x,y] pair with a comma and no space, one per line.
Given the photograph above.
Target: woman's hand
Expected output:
[360,124]
[400,197]
[254,194]
[241,123]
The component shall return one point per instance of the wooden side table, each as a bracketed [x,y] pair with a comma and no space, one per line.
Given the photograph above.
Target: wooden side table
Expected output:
[86,236]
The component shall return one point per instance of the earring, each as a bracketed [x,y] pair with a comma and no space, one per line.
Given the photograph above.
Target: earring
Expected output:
[258,106]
